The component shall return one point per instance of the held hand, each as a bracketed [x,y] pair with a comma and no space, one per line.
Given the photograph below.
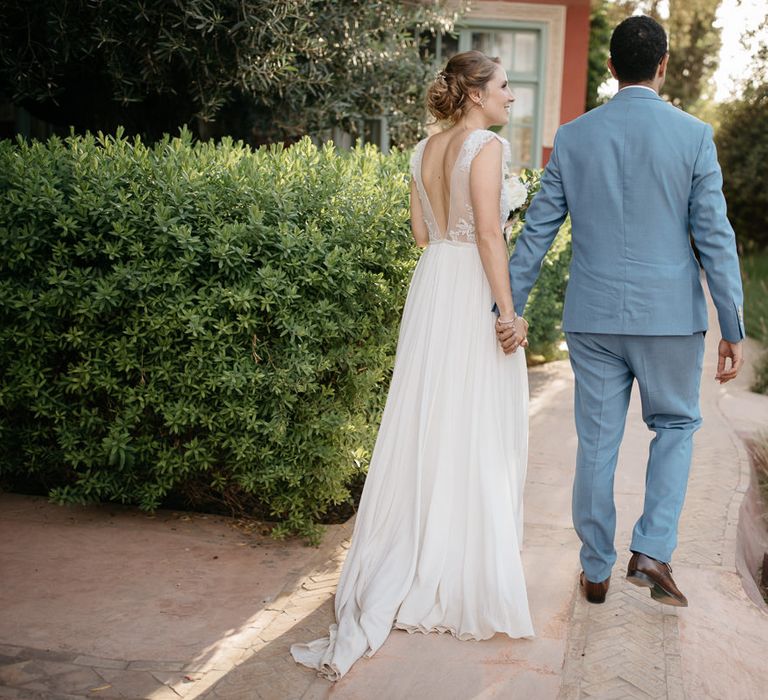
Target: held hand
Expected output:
[512,334]
[735,352]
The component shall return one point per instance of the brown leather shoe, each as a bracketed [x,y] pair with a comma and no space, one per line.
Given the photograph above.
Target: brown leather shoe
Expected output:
[647,572]
[595,592]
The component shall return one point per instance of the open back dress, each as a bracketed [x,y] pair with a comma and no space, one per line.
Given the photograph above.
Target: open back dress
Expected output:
[437,537]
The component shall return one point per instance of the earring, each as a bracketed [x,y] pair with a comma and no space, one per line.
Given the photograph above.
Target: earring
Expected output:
[481,103]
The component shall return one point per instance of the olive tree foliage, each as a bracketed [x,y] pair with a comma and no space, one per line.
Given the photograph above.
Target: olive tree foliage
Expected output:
[694,46]
[694,52]
[604,16]
[600,28]
[743,151]
[743,148]
[255,69]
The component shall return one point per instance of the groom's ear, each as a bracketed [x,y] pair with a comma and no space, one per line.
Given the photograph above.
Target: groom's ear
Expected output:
[661,71]
[612,69]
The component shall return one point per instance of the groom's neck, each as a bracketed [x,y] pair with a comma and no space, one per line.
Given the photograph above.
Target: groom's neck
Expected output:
[646,83]
[654,84]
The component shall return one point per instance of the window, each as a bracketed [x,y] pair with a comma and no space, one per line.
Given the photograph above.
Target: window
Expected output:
[520,46]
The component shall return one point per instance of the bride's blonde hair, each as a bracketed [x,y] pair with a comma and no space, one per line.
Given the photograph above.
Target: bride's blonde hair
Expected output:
[448,95]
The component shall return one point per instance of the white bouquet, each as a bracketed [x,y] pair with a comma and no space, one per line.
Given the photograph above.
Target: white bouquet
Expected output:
[517,193]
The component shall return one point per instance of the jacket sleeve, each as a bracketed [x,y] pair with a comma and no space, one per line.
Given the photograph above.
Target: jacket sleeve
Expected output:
[715,239]
[542,222]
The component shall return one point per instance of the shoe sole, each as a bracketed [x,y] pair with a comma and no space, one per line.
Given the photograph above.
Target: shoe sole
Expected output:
[658,592]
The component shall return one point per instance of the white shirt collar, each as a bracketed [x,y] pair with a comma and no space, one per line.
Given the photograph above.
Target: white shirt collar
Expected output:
[644,87]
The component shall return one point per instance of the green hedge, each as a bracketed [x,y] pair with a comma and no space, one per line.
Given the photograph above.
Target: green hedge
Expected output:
[202,320]
[544,311]
[198,317]
[754,268]
[743,149]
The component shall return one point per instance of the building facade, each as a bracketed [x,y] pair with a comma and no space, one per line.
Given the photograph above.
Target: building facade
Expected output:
[543,45]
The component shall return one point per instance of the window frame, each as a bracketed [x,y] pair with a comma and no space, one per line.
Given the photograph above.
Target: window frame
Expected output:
[537,79]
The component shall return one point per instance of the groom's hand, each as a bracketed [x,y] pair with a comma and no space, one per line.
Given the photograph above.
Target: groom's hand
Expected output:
[733,351]
[512,336]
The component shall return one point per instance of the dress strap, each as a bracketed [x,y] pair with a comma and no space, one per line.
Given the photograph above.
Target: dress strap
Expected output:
[418,151]
[506,154]
[474,144]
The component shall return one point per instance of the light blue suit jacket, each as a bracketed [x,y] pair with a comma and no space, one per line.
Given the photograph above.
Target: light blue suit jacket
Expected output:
[636,175]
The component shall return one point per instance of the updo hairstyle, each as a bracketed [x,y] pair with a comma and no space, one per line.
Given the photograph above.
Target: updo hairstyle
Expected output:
[448,96]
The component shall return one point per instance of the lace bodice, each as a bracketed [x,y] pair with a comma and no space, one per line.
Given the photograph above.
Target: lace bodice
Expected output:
[461,218]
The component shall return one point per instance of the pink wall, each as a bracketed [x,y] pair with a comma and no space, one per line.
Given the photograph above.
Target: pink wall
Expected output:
[574,92]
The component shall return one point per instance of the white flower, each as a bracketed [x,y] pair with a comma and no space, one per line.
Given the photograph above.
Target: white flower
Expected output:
[517,193]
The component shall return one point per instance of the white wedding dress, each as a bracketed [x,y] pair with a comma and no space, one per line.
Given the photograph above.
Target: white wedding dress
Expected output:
[437,537]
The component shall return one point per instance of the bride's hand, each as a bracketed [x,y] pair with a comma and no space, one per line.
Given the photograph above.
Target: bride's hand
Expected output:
[512,333]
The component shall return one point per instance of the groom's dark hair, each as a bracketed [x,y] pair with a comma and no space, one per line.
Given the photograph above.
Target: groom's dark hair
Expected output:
[637,46]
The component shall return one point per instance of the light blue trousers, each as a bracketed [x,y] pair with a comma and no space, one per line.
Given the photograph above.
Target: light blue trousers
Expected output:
[668,373]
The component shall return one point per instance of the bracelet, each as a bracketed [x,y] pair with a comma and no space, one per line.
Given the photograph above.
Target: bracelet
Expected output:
[508,323]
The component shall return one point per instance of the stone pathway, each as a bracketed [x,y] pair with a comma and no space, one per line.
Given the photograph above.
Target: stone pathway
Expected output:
[37,673]
[189,606]
[630,647]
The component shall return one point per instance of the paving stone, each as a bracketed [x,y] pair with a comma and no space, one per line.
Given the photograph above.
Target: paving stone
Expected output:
[603,689]
[318,690]
[209,680]
[156,665]
[302,607]
[49,655]
[326,585]
[249,694]
[310,594]
[169,678]
[103,690]
[675,691]
[225,659]
[288,687]
[641,638]
[15,674]
[79,680]
[596,643]
[22,694]
[604,654]
[252,670]
[6,660]
[39,687]
[277,629]
[100,662]
[649,684]
[236,682]
[165,694]
[130,684]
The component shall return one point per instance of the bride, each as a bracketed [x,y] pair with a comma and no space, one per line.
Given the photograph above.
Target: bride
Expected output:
[437,537]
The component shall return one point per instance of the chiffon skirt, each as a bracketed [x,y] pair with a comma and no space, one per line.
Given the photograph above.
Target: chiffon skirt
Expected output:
[437,537]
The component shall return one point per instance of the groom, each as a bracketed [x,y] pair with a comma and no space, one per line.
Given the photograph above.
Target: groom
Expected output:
[639,177]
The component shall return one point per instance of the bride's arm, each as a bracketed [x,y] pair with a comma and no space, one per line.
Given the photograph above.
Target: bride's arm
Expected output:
[418,227]
[485,192]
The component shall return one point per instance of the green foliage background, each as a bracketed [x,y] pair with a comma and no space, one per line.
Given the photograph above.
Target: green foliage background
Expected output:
[259,70]
[544,311]
[743,151]
[198,317]
[204,320]
[694,46]
[755,275]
